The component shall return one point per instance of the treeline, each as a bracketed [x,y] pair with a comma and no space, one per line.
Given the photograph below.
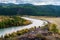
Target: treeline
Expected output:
[28,9]
[10,21]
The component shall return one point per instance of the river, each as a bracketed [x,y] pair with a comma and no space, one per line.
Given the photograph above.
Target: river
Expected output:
[35,22]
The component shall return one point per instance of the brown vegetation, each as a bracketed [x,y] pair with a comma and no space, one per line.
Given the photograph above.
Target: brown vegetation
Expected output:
[55,20]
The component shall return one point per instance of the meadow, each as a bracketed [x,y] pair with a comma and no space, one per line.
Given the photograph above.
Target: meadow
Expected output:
[55,20]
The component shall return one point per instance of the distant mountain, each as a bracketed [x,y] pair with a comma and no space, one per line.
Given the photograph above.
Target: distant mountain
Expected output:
[11,4]
[29,9]
[5,4]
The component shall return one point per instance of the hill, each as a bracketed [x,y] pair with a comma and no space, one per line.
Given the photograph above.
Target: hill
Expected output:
[29,9]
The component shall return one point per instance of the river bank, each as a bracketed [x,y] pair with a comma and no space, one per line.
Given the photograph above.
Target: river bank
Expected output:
[55,20]
[9,21]
[36,33]
[35,22]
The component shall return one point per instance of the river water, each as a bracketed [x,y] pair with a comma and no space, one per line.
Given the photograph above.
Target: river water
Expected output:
[35,22]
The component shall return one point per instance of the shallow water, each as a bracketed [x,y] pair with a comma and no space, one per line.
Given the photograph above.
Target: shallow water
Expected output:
[35,22]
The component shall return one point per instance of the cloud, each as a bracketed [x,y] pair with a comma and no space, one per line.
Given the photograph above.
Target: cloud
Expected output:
[35,2]
[7,1]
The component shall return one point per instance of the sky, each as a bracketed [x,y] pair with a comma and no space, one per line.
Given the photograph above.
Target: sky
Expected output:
[35,2]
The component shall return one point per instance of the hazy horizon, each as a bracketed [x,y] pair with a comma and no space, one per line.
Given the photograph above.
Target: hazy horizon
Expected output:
[34,2]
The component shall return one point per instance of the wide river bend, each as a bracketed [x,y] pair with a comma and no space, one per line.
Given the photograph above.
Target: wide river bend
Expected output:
[35,22]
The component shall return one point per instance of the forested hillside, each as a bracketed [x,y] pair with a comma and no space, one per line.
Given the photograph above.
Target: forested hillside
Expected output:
[29,9]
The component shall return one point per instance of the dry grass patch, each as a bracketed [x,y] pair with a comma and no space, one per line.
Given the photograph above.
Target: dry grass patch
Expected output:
[55,20]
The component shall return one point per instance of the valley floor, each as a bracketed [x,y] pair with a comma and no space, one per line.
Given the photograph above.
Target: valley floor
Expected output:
[55,20]
[40,33]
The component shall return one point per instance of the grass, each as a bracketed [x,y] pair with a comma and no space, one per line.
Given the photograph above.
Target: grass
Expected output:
[55,20]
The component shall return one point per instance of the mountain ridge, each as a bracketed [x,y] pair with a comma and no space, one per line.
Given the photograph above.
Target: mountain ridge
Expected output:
[29,9]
